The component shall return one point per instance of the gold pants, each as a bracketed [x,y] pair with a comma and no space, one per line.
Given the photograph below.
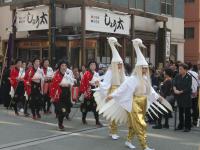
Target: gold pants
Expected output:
[113,128]
[136,121]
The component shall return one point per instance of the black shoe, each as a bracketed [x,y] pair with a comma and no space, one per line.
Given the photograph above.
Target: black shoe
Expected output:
[68,118]
[157,127]
[61,127]
[26,114]
[186,130]
[84,121]
[99,124]
[194,123]
[179,128]
[166,126]
[38,116]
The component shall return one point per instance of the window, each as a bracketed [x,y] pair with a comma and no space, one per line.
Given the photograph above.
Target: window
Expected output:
[23,54]
[121,3]
[103,1]
[45,53]
[189,1]
[167,7]
[189,33]
[138,4]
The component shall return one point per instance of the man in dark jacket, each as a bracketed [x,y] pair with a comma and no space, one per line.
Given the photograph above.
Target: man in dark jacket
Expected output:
[182,90]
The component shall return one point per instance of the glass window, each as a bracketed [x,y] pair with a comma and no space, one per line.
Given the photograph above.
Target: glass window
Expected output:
[45,53]
[138,4]
[167,7]
[189,1]
[123,3]
[34,53]
[23,54]
[189,32]
[132,3]
[103,1]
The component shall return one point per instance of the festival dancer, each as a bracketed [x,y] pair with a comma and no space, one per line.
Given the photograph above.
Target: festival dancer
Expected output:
[135,95]
[114,76]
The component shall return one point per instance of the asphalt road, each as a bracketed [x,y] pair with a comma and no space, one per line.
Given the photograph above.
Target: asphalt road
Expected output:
[20,133]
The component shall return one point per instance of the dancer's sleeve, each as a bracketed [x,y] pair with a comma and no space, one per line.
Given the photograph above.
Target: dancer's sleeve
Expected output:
[124,94]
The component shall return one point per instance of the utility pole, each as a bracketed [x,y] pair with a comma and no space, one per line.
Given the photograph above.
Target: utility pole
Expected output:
[83,35]
[52,31]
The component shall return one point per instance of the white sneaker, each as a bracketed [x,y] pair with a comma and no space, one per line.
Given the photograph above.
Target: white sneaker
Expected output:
[115,136]
[21,110]
[149,148]
[129,145]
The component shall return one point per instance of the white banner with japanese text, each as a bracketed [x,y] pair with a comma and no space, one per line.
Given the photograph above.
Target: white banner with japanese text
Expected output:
[103,20]
[34,19]
[168,43]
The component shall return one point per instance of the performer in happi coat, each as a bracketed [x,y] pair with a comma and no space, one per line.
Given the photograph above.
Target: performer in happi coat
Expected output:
[33,82]
[135,95]
[17,85]
[48,74]
[114,76]
[60,93]
[89,81]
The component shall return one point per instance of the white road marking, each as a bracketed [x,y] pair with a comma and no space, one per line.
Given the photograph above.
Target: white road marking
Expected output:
[9,123]
[36,141]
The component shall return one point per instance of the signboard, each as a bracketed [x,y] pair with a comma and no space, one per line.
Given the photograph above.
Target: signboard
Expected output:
[35,19]
[7,1]
[168,43]
[103,20]
[15,2]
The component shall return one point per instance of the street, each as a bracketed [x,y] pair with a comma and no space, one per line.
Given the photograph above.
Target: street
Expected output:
[20,133]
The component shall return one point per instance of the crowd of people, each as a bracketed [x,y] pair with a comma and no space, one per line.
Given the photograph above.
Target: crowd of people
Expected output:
[164,80]
[179,83]
[37,86]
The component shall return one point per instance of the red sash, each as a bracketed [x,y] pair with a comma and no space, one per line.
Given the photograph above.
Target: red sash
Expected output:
[75,93]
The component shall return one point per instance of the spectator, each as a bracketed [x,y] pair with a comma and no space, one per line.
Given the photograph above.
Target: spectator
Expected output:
[154,79]
[182,89]
[83,70]
[195,84]
[166,92]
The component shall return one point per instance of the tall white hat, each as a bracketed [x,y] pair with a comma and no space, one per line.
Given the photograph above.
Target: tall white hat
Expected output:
[115,55]
[141,61]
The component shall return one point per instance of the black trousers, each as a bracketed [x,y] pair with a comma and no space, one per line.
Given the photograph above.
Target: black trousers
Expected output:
[36,99]
[47,103]
[19,97]
[195,110]
[35,105]
[166,116]
[87,106]
[185,117]
[61,109]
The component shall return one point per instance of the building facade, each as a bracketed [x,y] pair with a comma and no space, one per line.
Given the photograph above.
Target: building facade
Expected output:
[192,31]
[77,30]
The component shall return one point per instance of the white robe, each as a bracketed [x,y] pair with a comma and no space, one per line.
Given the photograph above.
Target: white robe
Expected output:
[50,72]
[124,97]
[100,97]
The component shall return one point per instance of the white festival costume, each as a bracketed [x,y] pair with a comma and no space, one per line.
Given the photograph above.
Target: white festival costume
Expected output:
[39,75]
[123,96]
[67,80]
[50,72]
[104,88]
[20,75]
